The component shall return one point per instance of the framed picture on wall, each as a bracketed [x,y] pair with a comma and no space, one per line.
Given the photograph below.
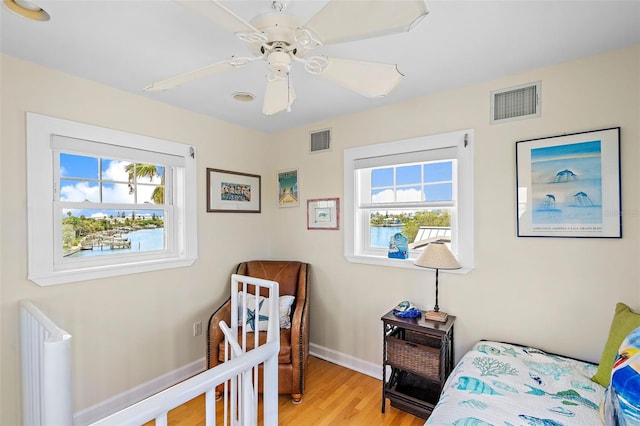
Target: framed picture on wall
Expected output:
[569,185]
[288,195]
[323,213]
[232,192]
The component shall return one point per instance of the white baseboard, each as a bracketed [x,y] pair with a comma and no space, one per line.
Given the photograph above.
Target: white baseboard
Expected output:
[138,393]
[365,367]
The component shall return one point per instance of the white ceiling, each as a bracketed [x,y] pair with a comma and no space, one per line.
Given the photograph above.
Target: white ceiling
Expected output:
[129,44]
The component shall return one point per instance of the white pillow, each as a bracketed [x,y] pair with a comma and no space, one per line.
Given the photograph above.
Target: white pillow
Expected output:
[285,303]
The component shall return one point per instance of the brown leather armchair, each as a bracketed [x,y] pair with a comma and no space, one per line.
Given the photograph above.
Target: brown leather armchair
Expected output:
[293,278]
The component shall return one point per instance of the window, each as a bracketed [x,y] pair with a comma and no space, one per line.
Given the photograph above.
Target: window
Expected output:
[421,188]
[103,202]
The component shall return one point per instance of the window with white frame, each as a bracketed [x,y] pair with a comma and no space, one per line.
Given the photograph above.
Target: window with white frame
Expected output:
[102,202]
[421,188]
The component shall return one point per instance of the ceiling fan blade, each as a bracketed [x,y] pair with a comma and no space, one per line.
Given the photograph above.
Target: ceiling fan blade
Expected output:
[347,20]
[219,15]
[370,79]
[180,79]
[278,96]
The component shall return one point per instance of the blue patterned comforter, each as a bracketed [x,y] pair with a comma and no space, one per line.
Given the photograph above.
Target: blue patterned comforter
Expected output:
[510,385]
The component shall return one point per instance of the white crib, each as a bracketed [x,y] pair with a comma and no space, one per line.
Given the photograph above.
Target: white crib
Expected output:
[47,400]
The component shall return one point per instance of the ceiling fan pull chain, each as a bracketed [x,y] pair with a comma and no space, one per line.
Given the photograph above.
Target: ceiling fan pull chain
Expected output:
[289,102]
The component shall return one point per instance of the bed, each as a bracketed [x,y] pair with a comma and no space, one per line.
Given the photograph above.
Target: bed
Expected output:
[505,384]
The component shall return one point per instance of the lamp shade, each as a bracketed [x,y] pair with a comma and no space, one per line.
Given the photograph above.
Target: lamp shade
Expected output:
[437,256]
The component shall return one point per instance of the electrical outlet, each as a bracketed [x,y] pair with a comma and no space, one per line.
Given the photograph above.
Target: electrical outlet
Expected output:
[197,328]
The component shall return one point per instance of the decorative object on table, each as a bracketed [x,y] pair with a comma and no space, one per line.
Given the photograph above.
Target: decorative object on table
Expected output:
[406,309]
[437,256]
[398,247]
[569,185]
[232,192]
[323,213]
[288,188]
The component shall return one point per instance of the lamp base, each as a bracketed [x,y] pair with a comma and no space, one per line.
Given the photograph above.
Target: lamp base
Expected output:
[436,316]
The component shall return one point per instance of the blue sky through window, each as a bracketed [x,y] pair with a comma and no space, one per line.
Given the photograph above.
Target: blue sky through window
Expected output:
[82,179]
[438,172]
[78,166]
[415,182]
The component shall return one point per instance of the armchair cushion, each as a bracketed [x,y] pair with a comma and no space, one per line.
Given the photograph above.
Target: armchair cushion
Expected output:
[262,316]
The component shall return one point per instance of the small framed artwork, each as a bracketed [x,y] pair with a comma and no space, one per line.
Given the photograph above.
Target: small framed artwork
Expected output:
[232,192]
[569,185]
[323,213]
[288,188]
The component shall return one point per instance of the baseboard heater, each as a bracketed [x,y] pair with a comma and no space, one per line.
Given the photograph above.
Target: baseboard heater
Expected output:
[46,369]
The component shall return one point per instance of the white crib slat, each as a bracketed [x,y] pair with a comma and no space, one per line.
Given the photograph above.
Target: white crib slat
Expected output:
[210,407]
[161,420]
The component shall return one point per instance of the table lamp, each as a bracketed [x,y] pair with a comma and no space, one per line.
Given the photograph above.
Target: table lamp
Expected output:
[437,256]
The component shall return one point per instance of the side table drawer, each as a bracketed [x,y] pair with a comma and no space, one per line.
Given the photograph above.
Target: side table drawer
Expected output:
[413,357]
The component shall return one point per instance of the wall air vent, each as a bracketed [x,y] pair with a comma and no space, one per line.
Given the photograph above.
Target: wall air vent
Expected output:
[516,103]
[320,141]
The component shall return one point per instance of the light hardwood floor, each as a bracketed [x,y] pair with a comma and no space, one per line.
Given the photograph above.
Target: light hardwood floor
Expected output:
[333,395]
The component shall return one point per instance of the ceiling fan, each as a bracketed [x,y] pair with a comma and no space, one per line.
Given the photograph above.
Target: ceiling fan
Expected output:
[281,40]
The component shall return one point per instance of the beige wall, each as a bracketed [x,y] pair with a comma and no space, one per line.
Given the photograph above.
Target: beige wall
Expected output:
[555,293]
[126,330]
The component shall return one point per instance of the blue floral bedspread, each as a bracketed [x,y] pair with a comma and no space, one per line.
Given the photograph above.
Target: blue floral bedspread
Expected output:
[510,385]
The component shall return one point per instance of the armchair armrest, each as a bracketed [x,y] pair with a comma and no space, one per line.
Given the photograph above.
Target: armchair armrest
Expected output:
[214,334]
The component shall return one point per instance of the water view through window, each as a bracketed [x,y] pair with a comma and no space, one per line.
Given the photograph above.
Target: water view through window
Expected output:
[110,206]
[395,185]
[102,233]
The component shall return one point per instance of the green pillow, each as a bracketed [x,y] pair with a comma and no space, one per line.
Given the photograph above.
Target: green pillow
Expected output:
[624,321]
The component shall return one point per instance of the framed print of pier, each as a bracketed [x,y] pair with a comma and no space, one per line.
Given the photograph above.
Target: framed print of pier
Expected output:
[288,188]
[232,192]
[569,185]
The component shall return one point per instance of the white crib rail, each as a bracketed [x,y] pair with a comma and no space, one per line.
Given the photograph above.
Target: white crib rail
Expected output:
[46,369]
[239,374]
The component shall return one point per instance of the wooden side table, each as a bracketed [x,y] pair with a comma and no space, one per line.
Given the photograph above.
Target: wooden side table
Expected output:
[420,354]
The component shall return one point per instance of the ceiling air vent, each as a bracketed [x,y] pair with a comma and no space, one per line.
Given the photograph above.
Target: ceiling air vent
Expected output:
[320,141]
[516,103]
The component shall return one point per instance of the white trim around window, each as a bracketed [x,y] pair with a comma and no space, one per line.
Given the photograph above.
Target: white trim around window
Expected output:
[46,136]
[455,145]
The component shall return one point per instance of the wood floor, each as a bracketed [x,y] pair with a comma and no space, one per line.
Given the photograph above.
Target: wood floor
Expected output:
[333,395]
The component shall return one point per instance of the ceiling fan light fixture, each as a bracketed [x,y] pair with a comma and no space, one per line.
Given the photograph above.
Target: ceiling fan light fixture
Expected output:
[27,9]
[243,96]
[279,64]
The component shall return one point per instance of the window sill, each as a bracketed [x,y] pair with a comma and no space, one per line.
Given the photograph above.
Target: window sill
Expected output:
[399,263]
[62,277]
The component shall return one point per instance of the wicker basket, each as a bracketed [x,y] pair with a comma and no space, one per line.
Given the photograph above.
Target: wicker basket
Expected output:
[414,357]
[422,339]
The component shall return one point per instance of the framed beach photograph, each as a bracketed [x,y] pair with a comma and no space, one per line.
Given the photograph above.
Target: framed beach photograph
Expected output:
[232,192]
[569,185]
[323,213]
[288,195]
